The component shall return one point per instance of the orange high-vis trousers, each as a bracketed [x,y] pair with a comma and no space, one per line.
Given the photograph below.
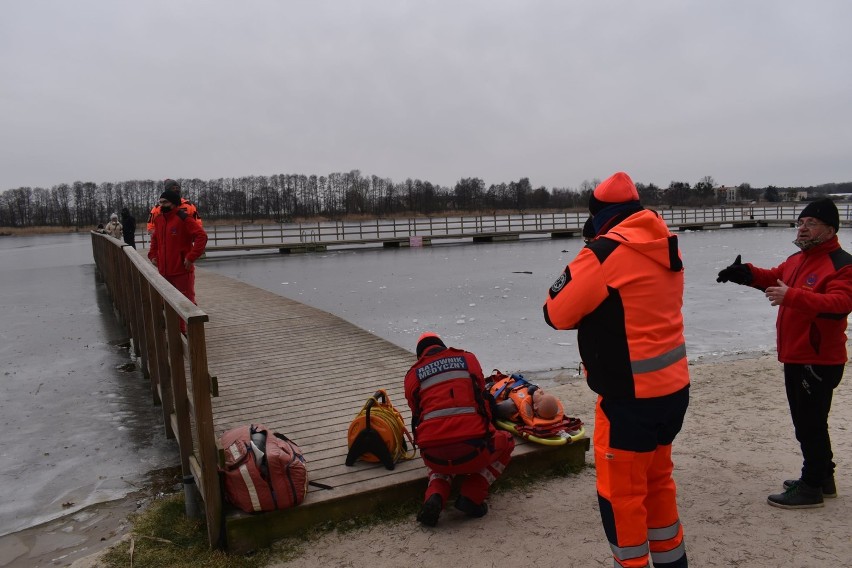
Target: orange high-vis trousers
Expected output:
[636,491]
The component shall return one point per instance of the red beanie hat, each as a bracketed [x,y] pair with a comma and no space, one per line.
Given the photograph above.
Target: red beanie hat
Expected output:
[618,188]
[426,340]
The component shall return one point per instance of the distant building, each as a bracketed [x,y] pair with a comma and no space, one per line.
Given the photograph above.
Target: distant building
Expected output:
[725,194]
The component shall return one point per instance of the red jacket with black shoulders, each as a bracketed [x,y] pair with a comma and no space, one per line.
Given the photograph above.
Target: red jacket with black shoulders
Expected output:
[811,323]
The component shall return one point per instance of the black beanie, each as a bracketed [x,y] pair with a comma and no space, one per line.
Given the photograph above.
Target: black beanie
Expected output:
[825,210]
[171,185]
[426,341]
[171,196]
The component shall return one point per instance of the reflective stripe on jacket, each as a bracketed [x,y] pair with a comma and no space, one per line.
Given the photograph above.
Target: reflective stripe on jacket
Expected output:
[811,323]
[623,293]
[444,391]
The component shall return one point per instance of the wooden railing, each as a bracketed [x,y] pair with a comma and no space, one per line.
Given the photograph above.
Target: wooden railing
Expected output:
[154,312]
[383,229]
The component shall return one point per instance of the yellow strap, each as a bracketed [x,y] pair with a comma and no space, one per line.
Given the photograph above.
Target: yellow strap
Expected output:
[393,419]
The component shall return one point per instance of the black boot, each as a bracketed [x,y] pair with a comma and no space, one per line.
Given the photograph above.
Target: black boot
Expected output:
[470,508]
[829,488]
[799,496]
[431,510]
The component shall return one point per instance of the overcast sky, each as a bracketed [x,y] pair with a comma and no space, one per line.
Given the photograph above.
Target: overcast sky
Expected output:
[557,91]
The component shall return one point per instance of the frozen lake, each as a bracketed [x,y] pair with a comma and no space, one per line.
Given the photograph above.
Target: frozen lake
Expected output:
[80,429]
[487,297]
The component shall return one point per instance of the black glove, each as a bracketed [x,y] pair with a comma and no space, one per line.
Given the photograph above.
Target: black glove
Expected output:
[737,272]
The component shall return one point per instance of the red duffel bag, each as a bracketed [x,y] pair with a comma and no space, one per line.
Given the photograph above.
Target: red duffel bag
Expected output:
[264,470]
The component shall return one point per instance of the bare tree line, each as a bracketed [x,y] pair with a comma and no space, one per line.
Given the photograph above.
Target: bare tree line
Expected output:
[284,197]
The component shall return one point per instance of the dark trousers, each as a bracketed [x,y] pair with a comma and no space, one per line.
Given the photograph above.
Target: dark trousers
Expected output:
[809,392]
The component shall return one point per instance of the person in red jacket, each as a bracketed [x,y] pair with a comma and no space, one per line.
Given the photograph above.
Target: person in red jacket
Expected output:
[623,294]
[813,292]
[451,422]
[185,204]
[176,242]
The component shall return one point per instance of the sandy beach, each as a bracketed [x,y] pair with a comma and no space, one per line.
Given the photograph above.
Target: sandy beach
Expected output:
[737,446]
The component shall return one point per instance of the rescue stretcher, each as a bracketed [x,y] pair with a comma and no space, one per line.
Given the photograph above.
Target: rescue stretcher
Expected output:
[560,439]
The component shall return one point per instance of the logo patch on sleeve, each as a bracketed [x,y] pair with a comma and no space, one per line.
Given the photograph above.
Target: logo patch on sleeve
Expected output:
[560,283]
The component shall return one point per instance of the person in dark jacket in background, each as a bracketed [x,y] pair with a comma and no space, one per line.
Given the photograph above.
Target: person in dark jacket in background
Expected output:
[452,424]
[813,292]
[128,226]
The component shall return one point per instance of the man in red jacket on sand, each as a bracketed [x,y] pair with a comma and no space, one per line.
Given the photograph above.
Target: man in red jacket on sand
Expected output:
[451,421]
[813,292]
[177,241]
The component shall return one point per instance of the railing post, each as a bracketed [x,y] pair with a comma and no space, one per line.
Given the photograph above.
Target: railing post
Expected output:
[207,453]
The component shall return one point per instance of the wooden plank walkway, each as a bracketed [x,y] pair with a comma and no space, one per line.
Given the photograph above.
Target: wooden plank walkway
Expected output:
[307,373]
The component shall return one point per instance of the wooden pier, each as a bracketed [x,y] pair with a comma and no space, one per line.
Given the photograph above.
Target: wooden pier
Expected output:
[307,373]
[274,361]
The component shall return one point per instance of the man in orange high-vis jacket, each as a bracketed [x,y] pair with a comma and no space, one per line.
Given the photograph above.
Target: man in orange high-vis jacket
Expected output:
[623,293]
[451,421]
